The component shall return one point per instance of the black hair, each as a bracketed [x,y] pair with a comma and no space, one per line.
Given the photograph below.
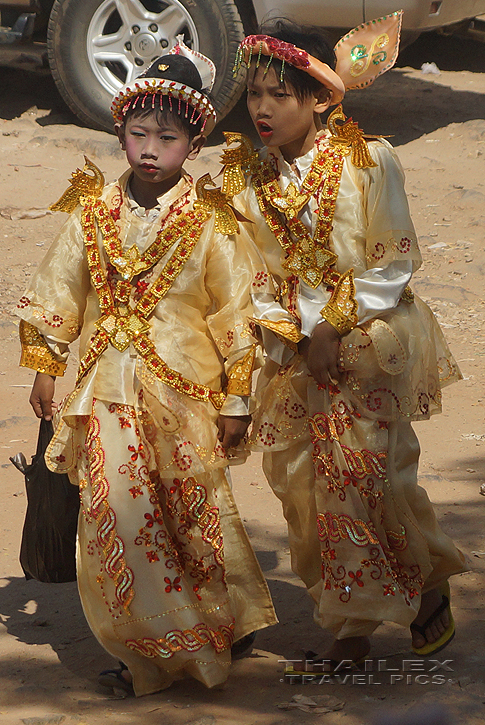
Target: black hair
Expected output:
[314,40]
[150,104]
[171,67]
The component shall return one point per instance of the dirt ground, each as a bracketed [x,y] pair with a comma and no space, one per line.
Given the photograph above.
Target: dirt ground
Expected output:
[49,659]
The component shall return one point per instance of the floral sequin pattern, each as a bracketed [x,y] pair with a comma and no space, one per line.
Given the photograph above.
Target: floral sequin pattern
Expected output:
[378,564]
[41,314]
[23,303]
[183,455]
[340,463]
[242,331]
[342,467]
[115,203]
[364,551]
[98,510]
[262,282]
[290,419]
[126,415]
[182,529]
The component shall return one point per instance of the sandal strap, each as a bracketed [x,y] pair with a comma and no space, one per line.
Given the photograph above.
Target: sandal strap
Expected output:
[421,628]
[114,678]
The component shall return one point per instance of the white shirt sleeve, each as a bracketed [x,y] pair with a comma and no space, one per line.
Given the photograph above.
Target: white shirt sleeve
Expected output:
[266,308]
[377,291]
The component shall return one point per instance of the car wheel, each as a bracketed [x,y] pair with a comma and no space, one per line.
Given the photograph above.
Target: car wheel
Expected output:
[96,46]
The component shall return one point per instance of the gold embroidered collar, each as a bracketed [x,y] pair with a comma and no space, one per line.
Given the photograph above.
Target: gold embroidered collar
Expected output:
[308,256]
[121,324]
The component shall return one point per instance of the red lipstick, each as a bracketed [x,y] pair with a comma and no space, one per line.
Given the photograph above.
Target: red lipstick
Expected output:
[264,129]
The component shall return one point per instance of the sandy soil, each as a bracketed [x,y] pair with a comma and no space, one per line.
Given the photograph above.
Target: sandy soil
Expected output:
[49,659]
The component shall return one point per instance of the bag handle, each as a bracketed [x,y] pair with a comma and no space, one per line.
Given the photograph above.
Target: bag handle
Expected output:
[46,431]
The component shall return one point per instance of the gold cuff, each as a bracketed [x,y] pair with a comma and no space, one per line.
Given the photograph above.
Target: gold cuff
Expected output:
[408,295]
[286,331]
[341,310]
[241,374]
[36,354]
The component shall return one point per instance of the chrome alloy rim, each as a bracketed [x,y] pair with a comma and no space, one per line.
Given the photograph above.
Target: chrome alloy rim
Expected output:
[124,37]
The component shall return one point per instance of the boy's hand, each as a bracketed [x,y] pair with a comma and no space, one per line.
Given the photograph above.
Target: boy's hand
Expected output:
[41,397]
[321,353]
[232,429]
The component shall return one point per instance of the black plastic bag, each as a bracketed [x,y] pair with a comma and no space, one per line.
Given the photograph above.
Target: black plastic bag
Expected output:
[48,549]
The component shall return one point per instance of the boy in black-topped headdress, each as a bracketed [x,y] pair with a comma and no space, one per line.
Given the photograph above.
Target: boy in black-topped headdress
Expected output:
[150,277]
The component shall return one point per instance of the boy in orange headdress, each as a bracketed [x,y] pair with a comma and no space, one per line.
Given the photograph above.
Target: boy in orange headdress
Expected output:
[353,355]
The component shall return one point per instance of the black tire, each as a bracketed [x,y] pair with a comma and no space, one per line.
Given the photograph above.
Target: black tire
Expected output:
[219,31]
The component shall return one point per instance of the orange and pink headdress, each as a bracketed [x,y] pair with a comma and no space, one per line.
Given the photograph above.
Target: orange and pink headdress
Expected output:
[363,54]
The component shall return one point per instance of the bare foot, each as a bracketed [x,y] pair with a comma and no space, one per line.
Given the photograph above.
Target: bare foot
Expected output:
[350,649]
[126,675]
[429,603]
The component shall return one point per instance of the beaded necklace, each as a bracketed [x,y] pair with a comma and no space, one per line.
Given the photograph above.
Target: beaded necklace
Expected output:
[308,256]
[121,325]
[131,263]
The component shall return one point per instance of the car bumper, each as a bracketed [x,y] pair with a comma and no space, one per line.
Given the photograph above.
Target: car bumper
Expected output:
[419,15]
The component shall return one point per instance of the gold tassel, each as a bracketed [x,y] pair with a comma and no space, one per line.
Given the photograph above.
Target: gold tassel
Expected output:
[236,161]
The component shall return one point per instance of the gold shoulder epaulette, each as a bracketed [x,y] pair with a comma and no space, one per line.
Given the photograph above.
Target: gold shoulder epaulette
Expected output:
[215,199]
[348,133]
[237,161]
[82,184]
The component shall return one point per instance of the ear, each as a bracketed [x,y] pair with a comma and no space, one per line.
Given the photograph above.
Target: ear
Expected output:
[120,132]
[196,146]
[322,100]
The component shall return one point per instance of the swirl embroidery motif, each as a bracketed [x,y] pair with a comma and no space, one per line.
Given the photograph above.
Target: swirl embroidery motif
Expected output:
[361,58]
[111,544]
[191,640]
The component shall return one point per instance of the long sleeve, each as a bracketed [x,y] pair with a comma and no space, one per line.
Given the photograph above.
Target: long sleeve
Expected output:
[55,301]
[278,329]
[387,234]
[52,308]
[231,268]
[377,291]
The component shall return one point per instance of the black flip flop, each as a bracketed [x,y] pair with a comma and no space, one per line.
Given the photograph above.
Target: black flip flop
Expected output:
[114,679]
[243,647]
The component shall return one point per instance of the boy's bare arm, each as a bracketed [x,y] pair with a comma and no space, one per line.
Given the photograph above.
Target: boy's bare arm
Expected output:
[42,395]
[232,429]
[320,353]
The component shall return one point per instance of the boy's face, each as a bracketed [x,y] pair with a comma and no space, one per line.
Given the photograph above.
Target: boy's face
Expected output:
[156,149]
[281,119]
